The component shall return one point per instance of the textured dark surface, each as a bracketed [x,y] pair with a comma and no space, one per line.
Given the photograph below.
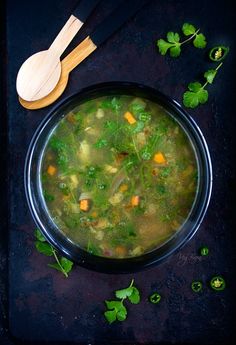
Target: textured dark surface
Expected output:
[43,306]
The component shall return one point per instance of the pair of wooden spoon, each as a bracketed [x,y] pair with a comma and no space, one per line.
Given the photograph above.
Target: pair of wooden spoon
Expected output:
[46,78]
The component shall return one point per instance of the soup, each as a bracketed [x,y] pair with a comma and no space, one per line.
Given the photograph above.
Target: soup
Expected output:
[119,176]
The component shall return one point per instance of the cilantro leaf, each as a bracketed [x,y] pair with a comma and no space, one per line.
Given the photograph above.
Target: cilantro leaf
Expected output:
[163,46]
[121,314]
[188,29]
[199,41]
[124,292]
[135,296]
[39,235]
[196,86]
[197,95]
[63,264]
[66,264]
[210,75]
[110,315]
[175,51]
[116,311]
[113,304]
[173,44]
[172,37]
[138,127]
[44,248]
[101,143]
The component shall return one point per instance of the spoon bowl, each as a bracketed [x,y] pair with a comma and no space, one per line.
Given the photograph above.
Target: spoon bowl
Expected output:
[47,65]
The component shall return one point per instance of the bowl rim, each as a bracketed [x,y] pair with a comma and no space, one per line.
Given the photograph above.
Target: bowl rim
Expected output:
[125,265]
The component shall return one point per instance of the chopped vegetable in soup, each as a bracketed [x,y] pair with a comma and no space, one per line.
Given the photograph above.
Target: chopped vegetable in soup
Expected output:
[119,176]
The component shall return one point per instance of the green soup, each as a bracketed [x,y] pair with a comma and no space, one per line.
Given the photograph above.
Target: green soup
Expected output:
[119,176]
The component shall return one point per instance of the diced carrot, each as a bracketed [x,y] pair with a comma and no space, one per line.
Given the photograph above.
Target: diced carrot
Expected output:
[84,205]
[123,188]
[159,158]
[51,170]
[94,214]
[120,251]
[135,200]
[129,117]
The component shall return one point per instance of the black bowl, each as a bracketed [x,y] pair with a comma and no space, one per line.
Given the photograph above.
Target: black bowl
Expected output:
[37,204]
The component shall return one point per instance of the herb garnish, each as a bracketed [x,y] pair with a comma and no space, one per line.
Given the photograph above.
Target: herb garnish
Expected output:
[217,283]
[173,43]
[116,309]
[204,251]
[218,53]
[196,93]
[155,298]
[196,286]
[61,264]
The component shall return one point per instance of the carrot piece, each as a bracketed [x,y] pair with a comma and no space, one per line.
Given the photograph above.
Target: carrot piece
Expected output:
[123,188]
[51,170]
[84,205]
[159,158]
[135,200]
[94,214]
[120,251]
[129,117]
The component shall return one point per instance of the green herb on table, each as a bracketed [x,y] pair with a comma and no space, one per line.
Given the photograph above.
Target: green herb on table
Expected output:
[196,286]
[204,251]
[217,283]
[61,264]
[197,94]
[116,309]
[155,298]
[173,44]
[218,53]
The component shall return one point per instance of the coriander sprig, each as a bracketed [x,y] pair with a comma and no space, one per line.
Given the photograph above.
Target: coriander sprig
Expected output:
[197,94]
[116,309]
[61,264]
[173,44]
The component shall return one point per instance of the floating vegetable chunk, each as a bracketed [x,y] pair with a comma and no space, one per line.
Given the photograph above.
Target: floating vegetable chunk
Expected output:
[119,176]
[51,170]
[159,158]
[129,117]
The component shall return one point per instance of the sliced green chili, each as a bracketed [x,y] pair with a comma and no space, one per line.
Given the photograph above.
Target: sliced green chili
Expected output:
[196,286]
[204,251]
[217,283]
[218,53]
[155,298]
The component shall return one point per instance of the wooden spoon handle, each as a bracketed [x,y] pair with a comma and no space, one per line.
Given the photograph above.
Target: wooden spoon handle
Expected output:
[65,36]
[111,24]
[78,54]
[72,26]
[116,19]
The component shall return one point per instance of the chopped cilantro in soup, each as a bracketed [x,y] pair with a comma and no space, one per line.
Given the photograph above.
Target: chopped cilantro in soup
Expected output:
[119,176]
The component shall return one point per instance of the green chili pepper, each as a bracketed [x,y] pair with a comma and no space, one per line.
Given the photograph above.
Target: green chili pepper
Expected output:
[217,283]
[218,53]
[155,298]
[204,251]
[196,286]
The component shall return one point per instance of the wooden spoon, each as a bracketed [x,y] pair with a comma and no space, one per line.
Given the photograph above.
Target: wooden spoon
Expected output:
[41,72]
[85,48]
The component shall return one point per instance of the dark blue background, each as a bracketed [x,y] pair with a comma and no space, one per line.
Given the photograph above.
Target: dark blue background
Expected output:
[40,305]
